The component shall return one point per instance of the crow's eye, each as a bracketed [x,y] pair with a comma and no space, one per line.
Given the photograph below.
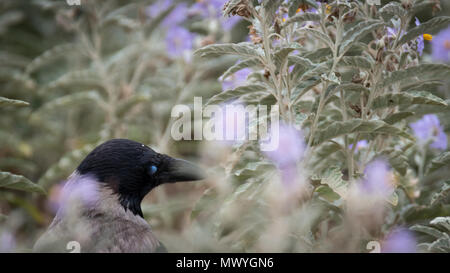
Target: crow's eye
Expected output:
[152,169]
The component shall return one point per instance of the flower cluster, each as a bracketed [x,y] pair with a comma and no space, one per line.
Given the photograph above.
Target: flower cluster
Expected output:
[179,40]
[289,153]
[429,129]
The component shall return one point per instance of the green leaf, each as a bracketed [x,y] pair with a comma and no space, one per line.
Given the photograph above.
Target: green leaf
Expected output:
[396,117]
[409,98]
[426,72]
[270,7]
[70,100]
[443,222]
[318,70]
[88,78]
[358,32]
[392,9]
[50,55]
[397,160]
[302,17]
[281,56]
[208,199]
[420,6]
[303,87]
[428,230]
[440,161]
[9,102]
[340,128]
[318,54]
[241,65]
[242,49]
[64,166]
[125,106]
[18,182]
[356,61]
[237,92]
[327,193]
[332,177]
[430,27]
[393,199]
[318,35]
[439,196]
[353,87]
[326,149]
[305,62]
[250,168]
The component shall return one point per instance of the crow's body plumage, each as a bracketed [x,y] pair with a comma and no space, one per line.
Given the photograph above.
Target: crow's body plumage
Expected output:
[100,208]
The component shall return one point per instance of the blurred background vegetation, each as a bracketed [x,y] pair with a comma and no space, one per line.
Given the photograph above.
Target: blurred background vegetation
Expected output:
[99,71]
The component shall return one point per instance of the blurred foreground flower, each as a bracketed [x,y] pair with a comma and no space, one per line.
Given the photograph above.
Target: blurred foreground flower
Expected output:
[441,46]
[7,242]
[78,191]
[428,128]
[289,152]
[399,241]
[378,178]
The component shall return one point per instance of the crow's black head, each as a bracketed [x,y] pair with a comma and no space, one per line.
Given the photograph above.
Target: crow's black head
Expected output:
[132,169]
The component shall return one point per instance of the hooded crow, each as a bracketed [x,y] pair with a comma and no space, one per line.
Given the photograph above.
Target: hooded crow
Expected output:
[100,208]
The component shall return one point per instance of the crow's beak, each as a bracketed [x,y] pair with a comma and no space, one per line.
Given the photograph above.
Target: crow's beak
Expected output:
[181,170]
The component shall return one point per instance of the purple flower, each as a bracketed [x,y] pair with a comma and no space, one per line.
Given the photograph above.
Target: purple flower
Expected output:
[291,68]
[7,242]
[179,42]
[441,46]
[208,7]
[420,40]
[428,128]
[359,145]
[291,146]
[391,32]
[377,178]
[399,240]
[229,22]
[212,9]
[178,14]
[237,79]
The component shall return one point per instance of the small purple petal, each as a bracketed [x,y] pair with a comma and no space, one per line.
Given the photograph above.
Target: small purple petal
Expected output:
[400,241]
[420,45]
[237,79]
[359,145]
[441,46]
[429,128]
